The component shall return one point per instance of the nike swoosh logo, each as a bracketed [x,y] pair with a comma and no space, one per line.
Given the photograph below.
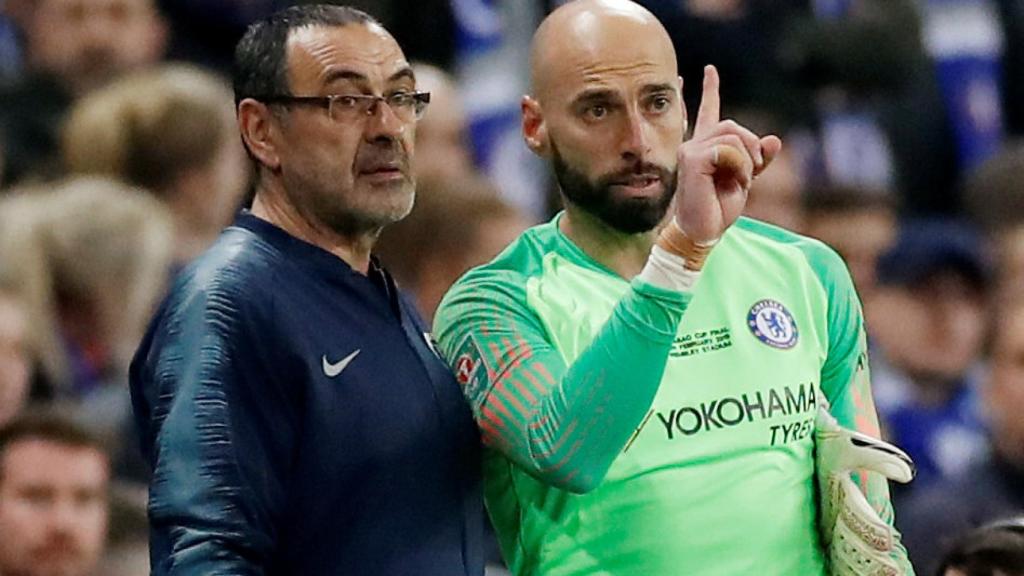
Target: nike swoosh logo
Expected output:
[332,370]
[430,343]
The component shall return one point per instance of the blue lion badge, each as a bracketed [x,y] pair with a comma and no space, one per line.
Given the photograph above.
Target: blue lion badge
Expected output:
[773,324]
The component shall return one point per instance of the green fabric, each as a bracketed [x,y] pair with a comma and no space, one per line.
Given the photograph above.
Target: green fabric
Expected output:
[564,424]
[715,475]
[846,376]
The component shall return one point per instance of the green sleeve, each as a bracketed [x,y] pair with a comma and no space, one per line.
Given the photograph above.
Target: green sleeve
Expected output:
[565,424]
[845,376]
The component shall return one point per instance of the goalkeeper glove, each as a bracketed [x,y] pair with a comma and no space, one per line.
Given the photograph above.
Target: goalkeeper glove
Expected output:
[858,541]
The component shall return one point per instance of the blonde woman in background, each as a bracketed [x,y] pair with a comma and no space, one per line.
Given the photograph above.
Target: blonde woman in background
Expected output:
[90,257]
[15,364]
[170,130]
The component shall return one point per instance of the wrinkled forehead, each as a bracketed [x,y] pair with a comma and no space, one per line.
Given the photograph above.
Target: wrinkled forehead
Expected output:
[31,460]
[360,54]
[602,50]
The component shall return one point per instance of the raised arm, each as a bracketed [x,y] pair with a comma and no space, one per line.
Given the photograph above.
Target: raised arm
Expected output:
[565,424]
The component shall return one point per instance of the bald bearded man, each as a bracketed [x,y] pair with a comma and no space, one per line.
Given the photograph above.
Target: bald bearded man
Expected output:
[646,372]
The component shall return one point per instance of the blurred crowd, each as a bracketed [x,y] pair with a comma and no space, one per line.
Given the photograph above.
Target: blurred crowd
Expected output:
[120,162]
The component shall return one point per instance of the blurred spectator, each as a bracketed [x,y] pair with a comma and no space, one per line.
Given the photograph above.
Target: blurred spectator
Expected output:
[775,196]
[86,43]
[929,326]
[994,487]
[966,44]
[10,48]
[961,115]
[1010,251]
[996,549]
[425,29]
[14,18]
[994,198]
[170,130]
[836,69]
[860,224]
[71,47]
[492,56]
[741,38]
[1012,13]
[15,364]
[206,31]
[92,257]
[879,116]
[443,149]
[54,482]
[454,226]
[993,193]
[128,558]
[127,551]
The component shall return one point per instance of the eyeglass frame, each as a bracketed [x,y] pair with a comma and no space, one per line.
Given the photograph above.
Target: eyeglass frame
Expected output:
[420,101]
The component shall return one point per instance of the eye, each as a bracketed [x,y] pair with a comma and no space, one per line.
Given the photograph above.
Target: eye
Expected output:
[36,496]
[346,101]
[400,99]
[659,103]
[596,111]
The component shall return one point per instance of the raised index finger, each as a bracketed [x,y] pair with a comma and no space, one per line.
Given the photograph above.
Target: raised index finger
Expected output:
[710,106]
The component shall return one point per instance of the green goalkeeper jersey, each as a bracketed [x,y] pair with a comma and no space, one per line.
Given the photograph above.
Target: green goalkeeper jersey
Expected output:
[631,430]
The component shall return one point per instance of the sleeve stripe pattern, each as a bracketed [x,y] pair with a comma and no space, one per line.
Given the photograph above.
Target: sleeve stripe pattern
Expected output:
[562,424]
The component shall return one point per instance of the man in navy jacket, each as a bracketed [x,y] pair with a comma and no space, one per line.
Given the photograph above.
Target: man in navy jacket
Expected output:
[290,401]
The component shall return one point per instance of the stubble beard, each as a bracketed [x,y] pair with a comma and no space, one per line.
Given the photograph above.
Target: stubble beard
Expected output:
[626,215]
[329,206]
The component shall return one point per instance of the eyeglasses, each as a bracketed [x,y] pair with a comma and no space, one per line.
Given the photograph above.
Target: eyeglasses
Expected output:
[407,106]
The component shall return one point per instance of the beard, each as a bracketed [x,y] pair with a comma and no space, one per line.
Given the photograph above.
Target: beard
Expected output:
[348,206]
[368,209]
[626,215]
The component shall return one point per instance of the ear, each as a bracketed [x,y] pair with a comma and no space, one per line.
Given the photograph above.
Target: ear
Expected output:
[535,131]
[257,126]
[682,107]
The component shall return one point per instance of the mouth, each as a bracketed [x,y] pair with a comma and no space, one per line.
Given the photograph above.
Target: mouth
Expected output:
[382,172]
[57,554]
[638,184]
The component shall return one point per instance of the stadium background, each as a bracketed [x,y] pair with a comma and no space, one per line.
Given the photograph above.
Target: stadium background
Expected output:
[901,120]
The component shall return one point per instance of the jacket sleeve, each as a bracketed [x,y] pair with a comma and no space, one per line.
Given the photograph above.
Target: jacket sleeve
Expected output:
[218,430]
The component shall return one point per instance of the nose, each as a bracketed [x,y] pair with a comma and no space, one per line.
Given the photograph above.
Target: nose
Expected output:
[383,123]
[63,515]
[635,138]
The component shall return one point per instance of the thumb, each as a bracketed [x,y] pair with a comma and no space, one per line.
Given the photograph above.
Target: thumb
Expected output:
[848,450]
[868,453]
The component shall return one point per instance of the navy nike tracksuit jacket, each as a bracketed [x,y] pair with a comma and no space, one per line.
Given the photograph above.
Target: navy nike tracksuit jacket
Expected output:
[298,421]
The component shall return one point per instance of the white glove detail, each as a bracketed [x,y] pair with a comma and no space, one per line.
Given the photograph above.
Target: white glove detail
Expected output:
[858,541]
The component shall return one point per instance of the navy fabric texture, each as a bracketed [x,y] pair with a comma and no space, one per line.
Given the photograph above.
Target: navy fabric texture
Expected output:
[298,421]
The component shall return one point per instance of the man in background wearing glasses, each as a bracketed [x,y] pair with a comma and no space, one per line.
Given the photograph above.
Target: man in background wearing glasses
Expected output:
[295,414]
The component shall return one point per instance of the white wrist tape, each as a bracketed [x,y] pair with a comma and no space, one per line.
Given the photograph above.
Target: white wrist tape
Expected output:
[668,271]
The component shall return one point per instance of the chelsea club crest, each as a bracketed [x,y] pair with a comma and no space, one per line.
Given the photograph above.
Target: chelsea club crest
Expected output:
[772,324]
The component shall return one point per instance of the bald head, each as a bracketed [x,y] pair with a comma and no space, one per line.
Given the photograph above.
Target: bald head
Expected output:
[607,111]
[584,37]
